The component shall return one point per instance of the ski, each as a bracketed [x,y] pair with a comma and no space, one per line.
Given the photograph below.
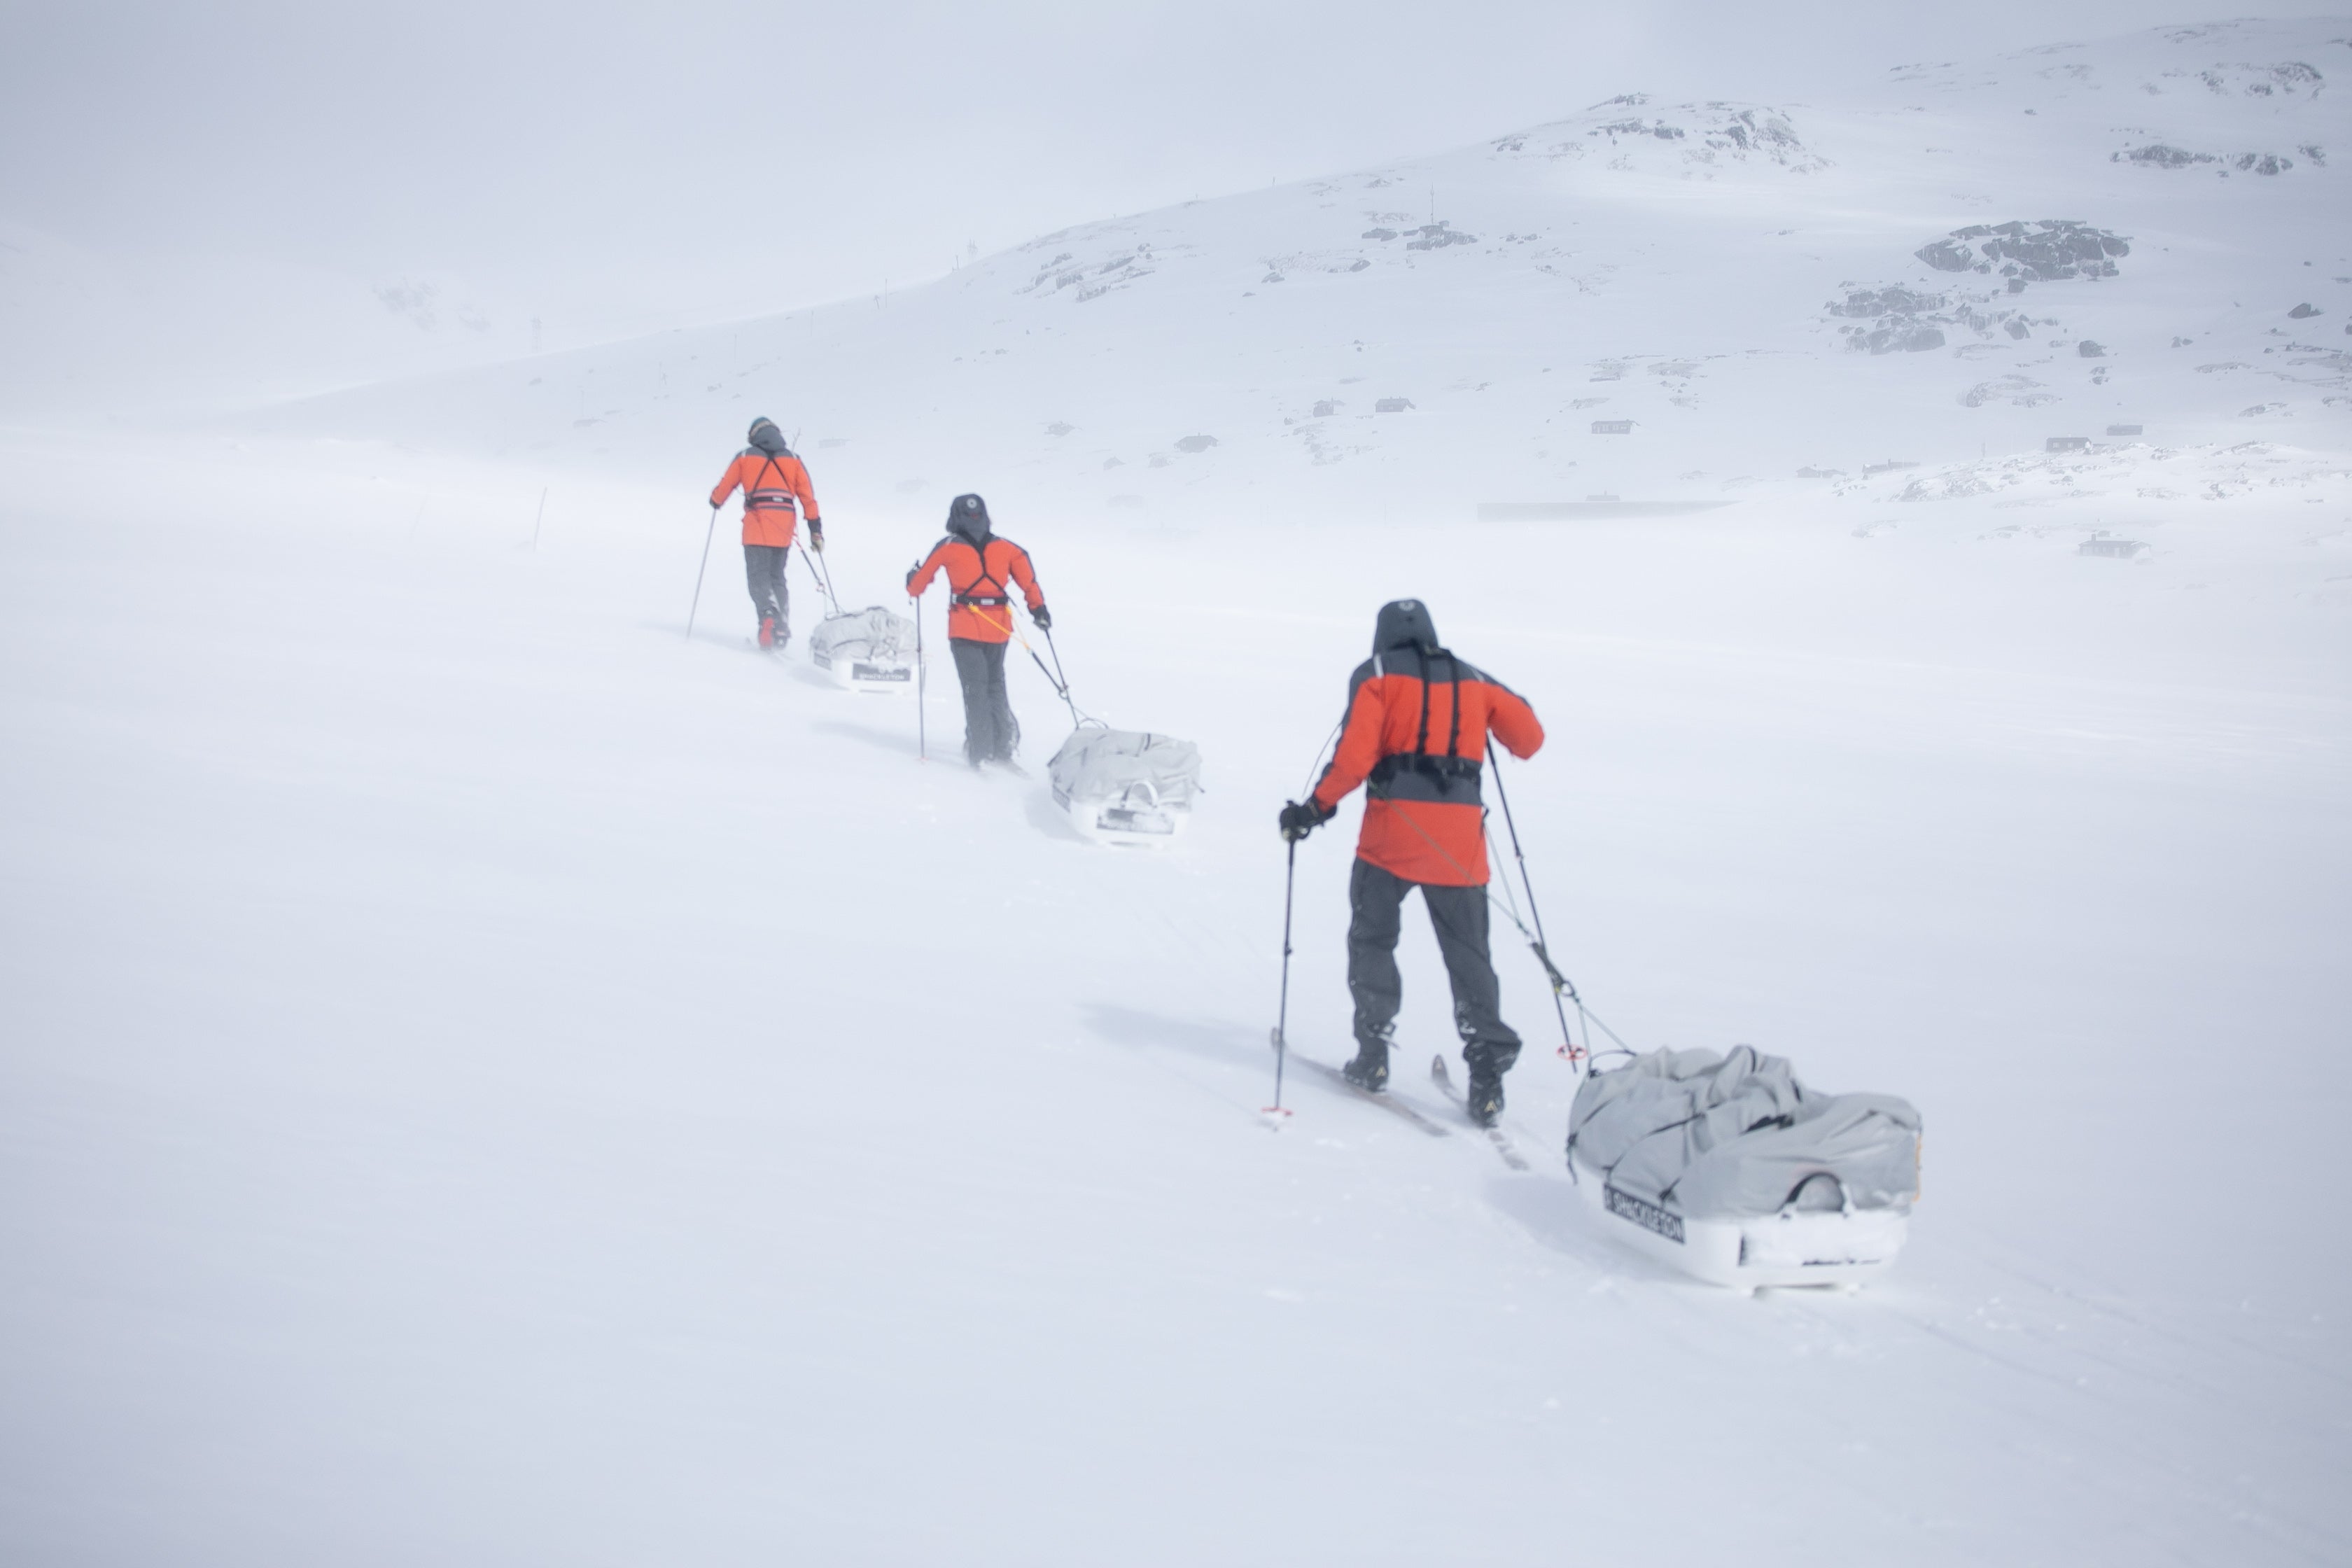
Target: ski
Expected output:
[1495,1135]
[1386,1102]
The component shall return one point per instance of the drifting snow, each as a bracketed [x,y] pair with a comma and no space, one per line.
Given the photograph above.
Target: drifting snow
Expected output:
[489,1078]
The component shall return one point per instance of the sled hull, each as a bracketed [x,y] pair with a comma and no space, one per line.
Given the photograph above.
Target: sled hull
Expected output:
[867,675]
[1142,826]
[1794,1247]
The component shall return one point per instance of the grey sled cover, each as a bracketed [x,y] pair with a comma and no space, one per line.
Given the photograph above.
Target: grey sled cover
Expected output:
[1724,1136]
[1116,767]
[874,635]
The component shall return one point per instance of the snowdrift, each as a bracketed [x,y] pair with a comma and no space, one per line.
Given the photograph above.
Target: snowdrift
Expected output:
[1726,1167]
[872,649]
[1126,786]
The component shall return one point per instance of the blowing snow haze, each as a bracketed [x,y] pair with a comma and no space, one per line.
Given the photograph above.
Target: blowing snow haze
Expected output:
[522,1040]
[220,204]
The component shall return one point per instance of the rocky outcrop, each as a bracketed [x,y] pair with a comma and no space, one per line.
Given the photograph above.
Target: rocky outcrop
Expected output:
[2047,251]
[2158,155]
[1701,139]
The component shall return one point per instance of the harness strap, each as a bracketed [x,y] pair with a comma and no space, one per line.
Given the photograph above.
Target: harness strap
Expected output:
[970,595]
[1450,766]
[756,495]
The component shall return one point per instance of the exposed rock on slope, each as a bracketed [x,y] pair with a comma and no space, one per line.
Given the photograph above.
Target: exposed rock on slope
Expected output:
[2047,251]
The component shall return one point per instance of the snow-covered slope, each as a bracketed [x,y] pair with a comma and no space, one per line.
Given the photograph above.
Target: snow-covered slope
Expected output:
[1709,272]
[486,1079]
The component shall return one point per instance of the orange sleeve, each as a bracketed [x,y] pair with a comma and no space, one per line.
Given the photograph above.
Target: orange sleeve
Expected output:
[727,483]
[799,479]
[1514,722]
[1022,575]
[1359,746]
[927,568]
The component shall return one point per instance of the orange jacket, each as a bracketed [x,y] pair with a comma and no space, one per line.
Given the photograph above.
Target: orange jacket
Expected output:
[771,482]
[1416,731]
[981,578]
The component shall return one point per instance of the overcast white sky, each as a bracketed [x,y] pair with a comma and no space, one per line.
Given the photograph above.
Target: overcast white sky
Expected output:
[635,164]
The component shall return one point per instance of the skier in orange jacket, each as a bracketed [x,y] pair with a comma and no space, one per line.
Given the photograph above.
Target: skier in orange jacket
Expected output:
[982,569]
[1415,735]
[776,496]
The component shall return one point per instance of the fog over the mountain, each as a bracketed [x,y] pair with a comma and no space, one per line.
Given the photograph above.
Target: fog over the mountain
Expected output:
[242,199]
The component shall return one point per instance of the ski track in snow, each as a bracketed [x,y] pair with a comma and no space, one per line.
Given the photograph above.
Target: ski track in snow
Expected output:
[489,1078]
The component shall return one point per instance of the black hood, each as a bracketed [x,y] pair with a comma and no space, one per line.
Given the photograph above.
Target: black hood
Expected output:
[968,519]
[768,439]
[1403,623]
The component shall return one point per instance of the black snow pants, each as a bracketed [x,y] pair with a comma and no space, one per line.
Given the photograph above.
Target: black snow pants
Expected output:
[1376,903]
[763,567]
[990,731]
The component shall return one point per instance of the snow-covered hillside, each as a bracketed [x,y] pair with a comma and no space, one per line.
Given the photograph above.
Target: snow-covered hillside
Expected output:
[487,1078]
[1744,282]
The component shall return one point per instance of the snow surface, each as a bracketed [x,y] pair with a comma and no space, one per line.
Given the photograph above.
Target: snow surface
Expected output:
[490,1079]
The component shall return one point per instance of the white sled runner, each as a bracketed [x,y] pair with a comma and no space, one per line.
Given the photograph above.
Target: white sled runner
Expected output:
[1725,1167]
[1126,786]
[871,649]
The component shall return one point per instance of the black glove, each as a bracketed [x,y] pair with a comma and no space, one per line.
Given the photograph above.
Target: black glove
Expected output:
[816,534]
[1300,818]
[1044,617]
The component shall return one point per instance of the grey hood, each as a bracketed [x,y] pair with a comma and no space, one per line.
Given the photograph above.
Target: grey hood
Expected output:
[1403,623]
[968,519]
[768,439]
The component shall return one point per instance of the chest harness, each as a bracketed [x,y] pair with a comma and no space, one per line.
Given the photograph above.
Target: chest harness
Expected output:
[1445,770]
[763,496]
[970,597]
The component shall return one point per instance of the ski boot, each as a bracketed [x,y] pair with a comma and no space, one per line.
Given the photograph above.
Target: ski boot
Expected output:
[1368,1070]
[1485,1098]
[768,631]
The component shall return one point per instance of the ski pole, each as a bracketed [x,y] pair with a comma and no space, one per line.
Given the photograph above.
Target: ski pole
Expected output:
[1282,1011]
[1560,982]
[923,687]
[708,535]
